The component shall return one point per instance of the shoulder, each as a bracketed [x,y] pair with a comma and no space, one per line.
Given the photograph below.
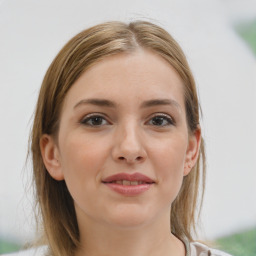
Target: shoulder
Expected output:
[199,249]
[39,251]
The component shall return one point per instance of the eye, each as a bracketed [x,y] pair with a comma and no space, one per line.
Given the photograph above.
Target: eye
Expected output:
[161,120]
[94,120]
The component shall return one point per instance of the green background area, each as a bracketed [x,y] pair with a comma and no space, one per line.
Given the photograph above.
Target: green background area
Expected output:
[248,32]
[7,246]
[240,244]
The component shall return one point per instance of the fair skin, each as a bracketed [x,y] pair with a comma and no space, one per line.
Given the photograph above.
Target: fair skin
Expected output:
[126,114]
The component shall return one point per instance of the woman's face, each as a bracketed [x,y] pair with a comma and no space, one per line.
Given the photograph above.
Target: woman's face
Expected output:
[123,143]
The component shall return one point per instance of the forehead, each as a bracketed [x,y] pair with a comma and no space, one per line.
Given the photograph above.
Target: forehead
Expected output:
[137,76]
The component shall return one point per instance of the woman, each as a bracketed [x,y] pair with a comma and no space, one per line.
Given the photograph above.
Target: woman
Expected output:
[117,147]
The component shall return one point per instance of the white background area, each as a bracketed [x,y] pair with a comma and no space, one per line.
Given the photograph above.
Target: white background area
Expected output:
[32,33]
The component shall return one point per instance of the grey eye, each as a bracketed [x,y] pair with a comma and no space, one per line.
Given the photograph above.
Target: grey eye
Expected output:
[94,121]
[161,120]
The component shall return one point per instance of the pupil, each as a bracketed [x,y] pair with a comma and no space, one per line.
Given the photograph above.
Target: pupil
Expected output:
[158,121]
[96,120]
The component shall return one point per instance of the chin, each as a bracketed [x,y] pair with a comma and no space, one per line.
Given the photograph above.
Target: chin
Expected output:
[130,217]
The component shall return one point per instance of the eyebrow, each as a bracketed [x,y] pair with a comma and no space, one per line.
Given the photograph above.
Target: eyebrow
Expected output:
[157,102]
[145,104]
[96,102]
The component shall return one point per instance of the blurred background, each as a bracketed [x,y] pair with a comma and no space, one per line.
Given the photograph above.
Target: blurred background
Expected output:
[219,39]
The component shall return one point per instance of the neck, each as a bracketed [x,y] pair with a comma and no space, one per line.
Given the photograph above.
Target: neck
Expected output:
[154,239]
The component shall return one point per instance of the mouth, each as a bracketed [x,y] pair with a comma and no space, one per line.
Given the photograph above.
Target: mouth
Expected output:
[128,179]
[129,184]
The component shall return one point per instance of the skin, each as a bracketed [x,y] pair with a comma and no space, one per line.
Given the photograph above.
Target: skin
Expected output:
[128,137]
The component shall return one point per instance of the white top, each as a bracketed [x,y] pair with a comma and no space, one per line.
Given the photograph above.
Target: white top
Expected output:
[199,249]
[192,249]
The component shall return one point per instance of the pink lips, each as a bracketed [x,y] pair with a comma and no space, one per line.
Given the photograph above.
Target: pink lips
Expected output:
[139,183]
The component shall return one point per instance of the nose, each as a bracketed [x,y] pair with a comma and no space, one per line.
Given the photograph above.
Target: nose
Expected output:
[128,145]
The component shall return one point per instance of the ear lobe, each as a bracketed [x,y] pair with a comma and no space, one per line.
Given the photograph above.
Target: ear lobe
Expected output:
[50,155]
[192,150]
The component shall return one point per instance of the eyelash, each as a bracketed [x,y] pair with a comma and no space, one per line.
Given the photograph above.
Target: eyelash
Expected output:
[167,118]
[85,121]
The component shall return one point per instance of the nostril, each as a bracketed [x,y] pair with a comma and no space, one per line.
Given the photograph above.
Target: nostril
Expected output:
[138,158]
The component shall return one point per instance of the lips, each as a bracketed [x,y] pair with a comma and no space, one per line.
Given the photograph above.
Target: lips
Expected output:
[128,184]
[128,179]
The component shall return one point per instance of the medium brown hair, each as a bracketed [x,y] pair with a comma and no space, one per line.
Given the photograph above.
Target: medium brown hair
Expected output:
[54,203]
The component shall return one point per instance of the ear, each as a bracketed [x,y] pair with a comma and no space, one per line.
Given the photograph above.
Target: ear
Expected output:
[50,155]
[193,148]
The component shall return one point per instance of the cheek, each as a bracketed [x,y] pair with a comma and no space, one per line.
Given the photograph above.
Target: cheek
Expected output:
[82,159]
[168,159]
[170,153]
